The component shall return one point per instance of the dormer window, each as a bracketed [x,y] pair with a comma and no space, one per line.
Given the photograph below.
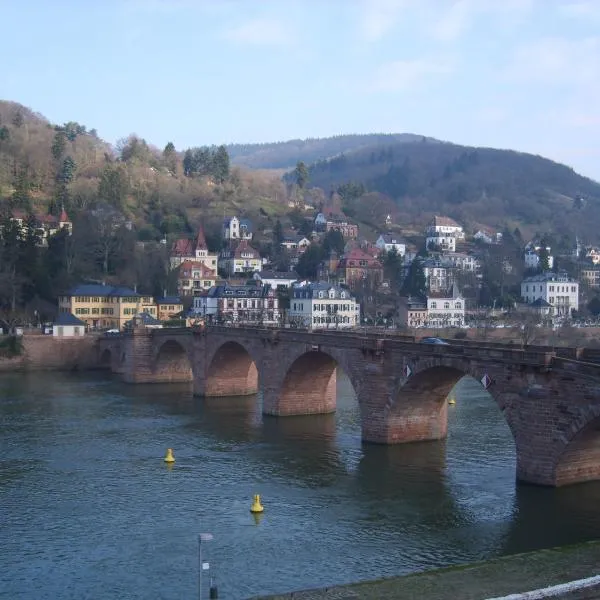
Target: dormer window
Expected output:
[343,295]
[320,294]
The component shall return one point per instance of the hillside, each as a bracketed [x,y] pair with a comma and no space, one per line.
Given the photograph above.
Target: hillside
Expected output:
[285,155]
[43,165]
[476,186]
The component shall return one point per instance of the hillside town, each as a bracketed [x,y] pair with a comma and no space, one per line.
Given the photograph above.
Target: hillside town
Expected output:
[325,275]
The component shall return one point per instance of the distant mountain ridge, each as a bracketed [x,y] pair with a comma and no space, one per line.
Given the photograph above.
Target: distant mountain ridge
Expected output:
[285,155]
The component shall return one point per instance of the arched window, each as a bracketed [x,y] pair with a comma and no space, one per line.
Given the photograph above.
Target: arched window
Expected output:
[446,304]
[458,305]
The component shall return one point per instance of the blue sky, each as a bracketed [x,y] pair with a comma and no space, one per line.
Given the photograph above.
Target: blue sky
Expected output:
[521,74]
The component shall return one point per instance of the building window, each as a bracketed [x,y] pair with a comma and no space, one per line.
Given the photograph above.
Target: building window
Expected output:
[446,304]
[434,305]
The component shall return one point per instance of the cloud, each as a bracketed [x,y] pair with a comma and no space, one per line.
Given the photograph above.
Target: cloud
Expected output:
[556,61]
[409,74]
[379,17]
[262,31]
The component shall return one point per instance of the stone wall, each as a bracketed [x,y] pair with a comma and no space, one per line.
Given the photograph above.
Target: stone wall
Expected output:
[45,352]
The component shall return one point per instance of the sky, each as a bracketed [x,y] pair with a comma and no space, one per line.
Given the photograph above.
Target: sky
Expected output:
[519,74]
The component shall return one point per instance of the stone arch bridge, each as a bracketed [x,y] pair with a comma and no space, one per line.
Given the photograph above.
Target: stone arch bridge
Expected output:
[550,399]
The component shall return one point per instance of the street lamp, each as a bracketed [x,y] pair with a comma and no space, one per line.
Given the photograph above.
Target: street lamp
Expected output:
[203,537]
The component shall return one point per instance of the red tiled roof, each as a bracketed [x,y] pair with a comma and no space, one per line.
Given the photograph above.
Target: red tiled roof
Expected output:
[183,247]
[201,239]
[246,248]
[188,266]
[64,217]
[444,222]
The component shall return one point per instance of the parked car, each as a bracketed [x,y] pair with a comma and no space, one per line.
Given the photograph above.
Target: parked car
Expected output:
[434,340]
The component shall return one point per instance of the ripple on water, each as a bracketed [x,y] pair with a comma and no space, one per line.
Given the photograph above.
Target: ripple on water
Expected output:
[90,510]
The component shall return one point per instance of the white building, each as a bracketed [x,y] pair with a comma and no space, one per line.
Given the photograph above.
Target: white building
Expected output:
[294,242]
[442,233]
[237,229]
[532,256]
[446,309]
[323,306]
[276,280]
[68,325]
[243,304]
[558,289]
[387,242]
[487,236]
[462,261]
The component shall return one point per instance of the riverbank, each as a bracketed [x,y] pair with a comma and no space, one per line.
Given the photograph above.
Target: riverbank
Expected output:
[512,574]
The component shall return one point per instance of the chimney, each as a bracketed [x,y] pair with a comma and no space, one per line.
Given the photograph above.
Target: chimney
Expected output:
[165,293]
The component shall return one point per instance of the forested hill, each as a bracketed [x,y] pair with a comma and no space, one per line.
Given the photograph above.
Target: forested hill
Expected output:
[474,185]
[283,155]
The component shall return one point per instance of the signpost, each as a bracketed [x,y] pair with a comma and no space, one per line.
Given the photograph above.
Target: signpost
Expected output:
[202,566]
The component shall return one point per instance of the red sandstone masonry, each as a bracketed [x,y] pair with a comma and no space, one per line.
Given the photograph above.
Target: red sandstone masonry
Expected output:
[550,405]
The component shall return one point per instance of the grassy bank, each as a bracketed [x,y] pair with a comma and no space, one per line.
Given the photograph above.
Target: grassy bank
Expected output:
[498,577]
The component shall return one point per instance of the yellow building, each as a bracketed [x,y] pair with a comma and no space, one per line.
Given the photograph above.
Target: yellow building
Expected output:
[105,306]
[169,307]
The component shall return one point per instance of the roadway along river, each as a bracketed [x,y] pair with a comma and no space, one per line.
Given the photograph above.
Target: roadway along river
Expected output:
[88,508]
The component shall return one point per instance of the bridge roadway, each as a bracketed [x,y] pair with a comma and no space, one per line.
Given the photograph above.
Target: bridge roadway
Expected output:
[550,397]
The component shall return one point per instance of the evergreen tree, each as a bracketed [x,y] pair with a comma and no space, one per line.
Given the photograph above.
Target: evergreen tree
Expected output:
[544,256]
[113,187]
[170,157]
[59,145]
[301,175]
[67,171]
[188,163]
[21,197]
[415,283]
[4,134]
[220,164]
[277,235]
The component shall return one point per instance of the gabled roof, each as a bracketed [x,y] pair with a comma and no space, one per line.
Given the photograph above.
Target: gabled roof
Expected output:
[68,319]
[183,247]
[289,275]
[390,238]
[444,222]
[246,248]
[193,265]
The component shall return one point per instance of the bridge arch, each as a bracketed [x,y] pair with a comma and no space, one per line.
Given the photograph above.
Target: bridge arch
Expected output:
[232,371]
[307,383]
[578,459]
[418,409]
[172,362]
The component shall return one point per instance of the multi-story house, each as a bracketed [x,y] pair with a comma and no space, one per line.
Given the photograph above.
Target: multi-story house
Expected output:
[323,306]
[412,312]
[358,265]
[240,258]
[442,233]
[348,230]
[446,309]
[461,260]
[168,307]
[235,229]
[47,225]
[195,250]
[105,306]
[194,277]
[242,304]
[557,289]
[532,256]
[591,275]
[387,242]
[439,275]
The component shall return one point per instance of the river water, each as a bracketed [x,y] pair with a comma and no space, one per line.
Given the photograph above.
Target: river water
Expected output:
[88,508]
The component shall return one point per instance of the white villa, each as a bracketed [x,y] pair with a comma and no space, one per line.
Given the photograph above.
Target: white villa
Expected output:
[443,232]
[387,242]
[557,289]
[532,256]
[237,229]
[446,309]
[323,306]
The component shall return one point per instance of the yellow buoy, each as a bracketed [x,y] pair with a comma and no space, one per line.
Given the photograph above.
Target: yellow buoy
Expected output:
[452,400]
[169,458]
[256,507]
